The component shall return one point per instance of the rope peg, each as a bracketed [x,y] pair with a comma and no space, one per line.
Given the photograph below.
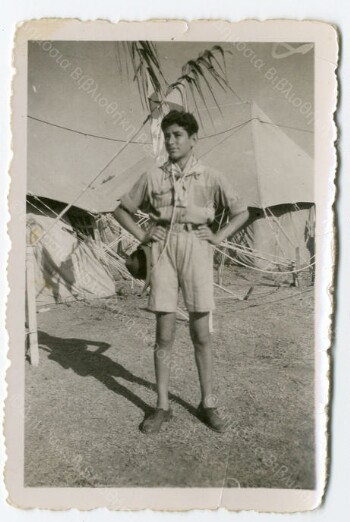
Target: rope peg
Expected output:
[246,297]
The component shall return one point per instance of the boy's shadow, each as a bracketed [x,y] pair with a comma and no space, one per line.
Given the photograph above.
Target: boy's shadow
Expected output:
[73,353]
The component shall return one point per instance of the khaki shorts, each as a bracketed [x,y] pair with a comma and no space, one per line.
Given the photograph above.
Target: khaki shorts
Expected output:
[186,263]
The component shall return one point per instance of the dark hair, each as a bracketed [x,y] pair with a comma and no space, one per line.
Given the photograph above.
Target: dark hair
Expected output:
[181,118]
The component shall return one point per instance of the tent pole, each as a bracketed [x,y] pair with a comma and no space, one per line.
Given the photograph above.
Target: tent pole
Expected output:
[211,327]
[296,266]
[31,308]
[221,268]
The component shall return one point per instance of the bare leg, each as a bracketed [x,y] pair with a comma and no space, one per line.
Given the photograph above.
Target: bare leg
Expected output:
[199,330]
[165,335]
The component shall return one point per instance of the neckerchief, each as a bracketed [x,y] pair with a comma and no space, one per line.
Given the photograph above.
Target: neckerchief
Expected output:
[179,178]
[192,167]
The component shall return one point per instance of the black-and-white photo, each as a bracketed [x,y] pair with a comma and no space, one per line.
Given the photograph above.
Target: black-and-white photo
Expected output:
[170,232]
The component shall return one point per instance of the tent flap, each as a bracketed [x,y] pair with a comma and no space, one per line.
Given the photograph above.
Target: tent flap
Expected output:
[65,267]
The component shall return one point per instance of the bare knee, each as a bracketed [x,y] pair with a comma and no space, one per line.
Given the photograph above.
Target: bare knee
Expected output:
[200,340]
[199,330]
[165,339]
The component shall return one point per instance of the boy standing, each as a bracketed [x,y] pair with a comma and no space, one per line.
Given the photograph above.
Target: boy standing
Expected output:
[181,198]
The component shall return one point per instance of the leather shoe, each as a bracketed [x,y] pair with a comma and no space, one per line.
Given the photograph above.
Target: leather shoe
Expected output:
[153,423]
[211,418]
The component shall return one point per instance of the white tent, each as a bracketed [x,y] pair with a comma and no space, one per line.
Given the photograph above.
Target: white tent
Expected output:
[71,139]
[69,261]
[276,178]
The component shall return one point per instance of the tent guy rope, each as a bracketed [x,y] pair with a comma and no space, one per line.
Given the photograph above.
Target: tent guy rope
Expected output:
[71,204]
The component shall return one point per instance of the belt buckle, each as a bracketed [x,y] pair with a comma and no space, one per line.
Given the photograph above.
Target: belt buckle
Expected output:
[176,227]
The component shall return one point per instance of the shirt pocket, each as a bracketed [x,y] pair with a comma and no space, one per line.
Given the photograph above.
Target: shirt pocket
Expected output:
[162,198]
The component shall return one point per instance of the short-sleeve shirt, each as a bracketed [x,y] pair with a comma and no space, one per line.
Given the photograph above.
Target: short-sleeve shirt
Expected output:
[200,192]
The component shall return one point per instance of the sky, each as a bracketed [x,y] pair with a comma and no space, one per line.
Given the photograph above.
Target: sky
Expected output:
[251,83]
[55,95]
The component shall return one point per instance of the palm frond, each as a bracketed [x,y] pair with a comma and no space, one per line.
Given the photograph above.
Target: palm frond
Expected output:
[221,80]
[197,81]
[193,94]
[202,74]
[186,85]
[146,69]
[194,68]
[211,55]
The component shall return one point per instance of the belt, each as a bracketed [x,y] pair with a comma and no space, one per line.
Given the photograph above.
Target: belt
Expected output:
[179,227]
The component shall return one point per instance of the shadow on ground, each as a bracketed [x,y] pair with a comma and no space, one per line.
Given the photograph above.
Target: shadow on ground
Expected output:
[77,355]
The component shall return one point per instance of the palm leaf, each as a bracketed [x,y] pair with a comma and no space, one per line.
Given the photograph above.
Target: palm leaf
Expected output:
[222,81]
[211,57]
[151,52]
[190,85]
[181,88]
[207,70]
[135,66]
[195,73]
[146,69]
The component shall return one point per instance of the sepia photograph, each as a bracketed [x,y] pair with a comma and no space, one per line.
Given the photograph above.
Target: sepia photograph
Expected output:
[170,265]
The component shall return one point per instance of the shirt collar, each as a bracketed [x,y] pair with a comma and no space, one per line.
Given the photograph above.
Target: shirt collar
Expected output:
[193,167]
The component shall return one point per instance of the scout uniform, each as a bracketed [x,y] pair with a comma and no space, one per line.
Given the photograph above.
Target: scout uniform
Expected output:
[181,201]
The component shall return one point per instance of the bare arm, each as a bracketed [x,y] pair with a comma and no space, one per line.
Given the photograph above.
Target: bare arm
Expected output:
[232,227]
[126,221]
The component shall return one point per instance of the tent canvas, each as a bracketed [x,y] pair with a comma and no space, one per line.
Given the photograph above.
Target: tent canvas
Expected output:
[65,266]
[62,163]
[274,174]
[262,162]
[267,166]
[275,177]
[71,138]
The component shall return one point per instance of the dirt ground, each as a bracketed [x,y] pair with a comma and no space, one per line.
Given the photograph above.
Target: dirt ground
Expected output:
[95,383]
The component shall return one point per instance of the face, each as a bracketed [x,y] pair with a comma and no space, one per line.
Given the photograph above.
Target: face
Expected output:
[178,143]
